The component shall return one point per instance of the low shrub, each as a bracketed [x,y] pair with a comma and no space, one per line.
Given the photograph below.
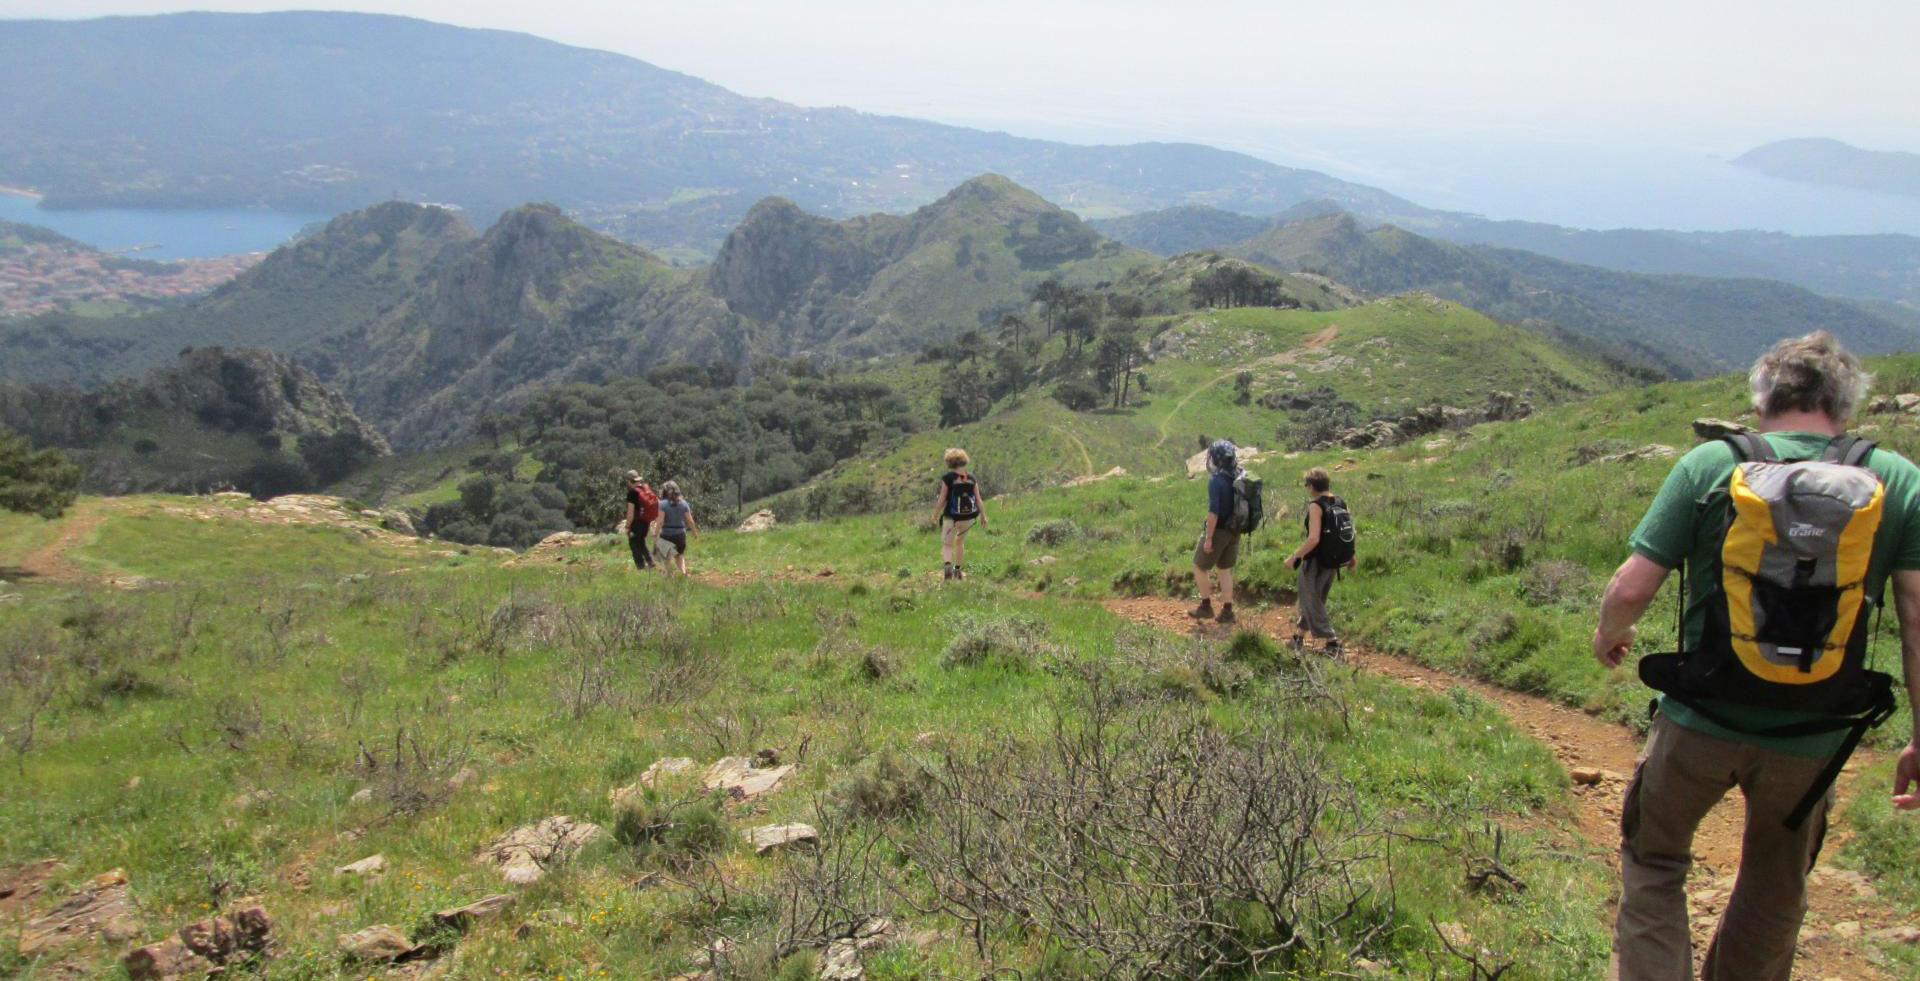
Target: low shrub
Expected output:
[1052,532]
[1013,639]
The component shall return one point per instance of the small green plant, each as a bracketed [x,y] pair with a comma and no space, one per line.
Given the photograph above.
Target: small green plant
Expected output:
[672,832]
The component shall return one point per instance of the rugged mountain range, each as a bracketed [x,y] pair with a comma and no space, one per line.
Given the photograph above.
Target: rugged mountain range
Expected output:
[201,421]
[1684,325]
[1871,267]
[425,325]
[330,111]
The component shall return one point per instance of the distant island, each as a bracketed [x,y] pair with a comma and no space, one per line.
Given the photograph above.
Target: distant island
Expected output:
[1836,164]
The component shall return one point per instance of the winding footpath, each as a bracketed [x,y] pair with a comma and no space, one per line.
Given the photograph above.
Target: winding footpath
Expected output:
[1845,910]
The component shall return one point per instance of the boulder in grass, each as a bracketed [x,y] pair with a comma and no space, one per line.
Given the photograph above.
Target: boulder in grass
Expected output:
[770,838]
[661,769]
[524,854]
[738,778]
[761,520]
[371,865]
[462,918]
[1907,402]
[377,944]
[101,907]
[201,948]
[1708,429]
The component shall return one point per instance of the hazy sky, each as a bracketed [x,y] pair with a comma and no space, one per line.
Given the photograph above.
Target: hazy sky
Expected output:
[1713,77]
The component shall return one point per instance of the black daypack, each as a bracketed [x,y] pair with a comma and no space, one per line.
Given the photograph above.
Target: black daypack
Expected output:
[1787,622]
[963,497]
[1336,532]
[1247,509]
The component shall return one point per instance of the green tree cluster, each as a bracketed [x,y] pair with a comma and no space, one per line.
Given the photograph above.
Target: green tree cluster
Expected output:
[34,481]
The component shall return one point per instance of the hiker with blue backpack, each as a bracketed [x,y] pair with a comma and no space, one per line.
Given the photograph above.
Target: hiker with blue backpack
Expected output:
[1786,539]
[1328,548]
[955,508]
[1233,510]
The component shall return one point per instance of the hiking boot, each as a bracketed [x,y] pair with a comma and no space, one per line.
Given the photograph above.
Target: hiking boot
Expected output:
[946,573]
[1334,649]
[1226,614]
[1298,643]
[1202,612]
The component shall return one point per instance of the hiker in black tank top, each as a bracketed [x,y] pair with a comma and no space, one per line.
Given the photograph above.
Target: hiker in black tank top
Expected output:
[957,506]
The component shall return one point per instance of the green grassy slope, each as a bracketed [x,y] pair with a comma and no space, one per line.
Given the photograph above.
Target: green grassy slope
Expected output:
[300,664]
[1387,356]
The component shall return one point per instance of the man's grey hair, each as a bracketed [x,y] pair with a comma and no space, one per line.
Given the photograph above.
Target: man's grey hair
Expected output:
[1812,373]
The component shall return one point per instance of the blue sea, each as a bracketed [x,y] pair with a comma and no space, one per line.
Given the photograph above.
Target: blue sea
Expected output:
[195,234]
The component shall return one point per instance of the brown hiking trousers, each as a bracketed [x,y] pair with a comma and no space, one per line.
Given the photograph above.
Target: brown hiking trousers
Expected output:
[1680,776]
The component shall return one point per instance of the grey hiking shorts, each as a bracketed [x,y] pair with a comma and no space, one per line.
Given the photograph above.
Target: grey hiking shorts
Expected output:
[1226,550]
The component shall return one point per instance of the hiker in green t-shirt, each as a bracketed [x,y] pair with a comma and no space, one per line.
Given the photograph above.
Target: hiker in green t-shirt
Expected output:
[1805,390]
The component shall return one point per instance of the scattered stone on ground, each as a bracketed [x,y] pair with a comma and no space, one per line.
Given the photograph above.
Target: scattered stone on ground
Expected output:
[1653,451]
[659,770]
[1499,407]
[1707,429]
[841,960]
[1585,775]
[1094,478]
[523,854]
[466,775]
[761,520]
[1042,560]
[377,944]
[462,918]
[1455,934]
[770,838]
[201,948]
[362,796]
[100,907]
[371,865]
[739,779]
[1907,402]
[21,884]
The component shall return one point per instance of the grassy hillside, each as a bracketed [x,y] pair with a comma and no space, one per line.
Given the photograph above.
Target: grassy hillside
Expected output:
[1387,357]
[209,734]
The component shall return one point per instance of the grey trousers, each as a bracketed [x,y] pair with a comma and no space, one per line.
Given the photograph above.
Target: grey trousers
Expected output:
[1682,774]
[1313,583]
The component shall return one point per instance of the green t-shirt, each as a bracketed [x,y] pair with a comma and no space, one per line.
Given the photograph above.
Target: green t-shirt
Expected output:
[1676,528]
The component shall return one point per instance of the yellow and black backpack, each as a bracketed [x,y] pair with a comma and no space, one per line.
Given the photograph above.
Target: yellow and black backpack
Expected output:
[1787,622]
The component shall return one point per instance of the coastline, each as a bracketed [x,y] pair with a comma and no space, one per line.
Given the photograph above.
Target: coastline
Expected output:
[22,192]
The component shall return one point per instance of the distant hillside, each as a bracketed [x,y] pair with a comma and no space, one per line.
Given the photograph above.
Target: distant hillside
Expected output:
[1684,325]
[213,418]
[1831,162]
[331,111]
[1874,267]
[1380,360]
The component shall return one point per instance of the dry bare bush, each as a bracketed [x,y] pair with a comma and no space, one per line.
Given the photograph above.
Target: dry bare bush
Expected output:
[1155,843]
[1017,640]
[605,647]
[829,892]
[29,680]
[408,775]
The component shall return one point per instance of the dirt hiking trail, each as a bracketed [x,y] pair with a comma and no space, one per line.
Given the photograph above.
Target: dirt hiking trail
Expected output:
[1844,910]
[49,562]
[1318,339]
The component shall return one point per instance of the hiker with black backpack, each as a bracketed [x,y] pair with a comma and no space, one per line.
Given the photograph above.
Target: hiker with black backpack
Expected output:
[1233,510]
[1786,539]
[1328,548]
[956,507]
